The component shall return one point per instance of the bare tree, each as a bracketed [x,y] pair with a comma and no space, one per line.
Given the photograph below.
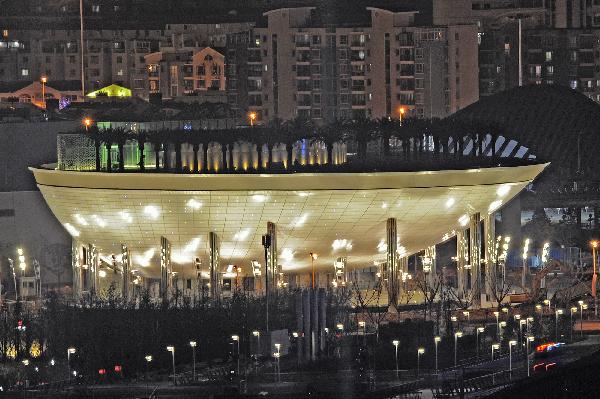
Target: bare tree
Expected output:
[367,298]
[461,298]
[497,282]
[430,287]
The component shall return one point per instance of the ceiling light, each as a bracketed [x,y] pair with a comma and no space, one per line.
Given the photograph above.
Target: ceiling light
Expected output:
[241,235]
[463,220]
[287,254]
[304,194]
[450,202]
[99,221]
[382,246]
[192,245]
[194,204]
[299,221]
[494,205]
[503,190]
[144,259]
[384,205]
[152,211]
[126,216]
[80,219]
[341,244]
[72,230]
[259,198]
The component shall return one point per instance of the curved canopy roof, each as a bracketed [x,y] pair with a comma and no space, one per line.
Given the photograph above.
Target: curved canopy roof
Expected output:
[549,119]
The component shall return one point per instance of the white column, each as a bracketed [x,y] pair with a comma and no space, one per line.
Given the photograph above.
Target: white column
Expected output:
[213,258]
[475,255]
[393,275]
[93,265]
[489,233]
[76,268]
[126,269]
[272,268]
[462,260]
[165,268]
[432,274]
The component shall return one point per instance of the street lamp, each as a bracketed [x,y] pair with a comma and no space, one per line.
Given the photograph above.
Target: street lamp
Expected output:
[594,245]
[401,112]
[340,327]
[148,360]
[70,351]
[256,333]
[580,318]
[193,345]
[494,348]
[252,116]
[396,343]
[497,314]
[467,315]
[521,333]
[529,320]
[277,355]
[547,303]
[313,257]
[573,310]
[171,349]
[363,325]
[44,79]
[530,338]
[420,351]
[479,330]
[436,341]
[236,338]
[510,345]
[87,122]
[457,335]
[502,325]
[556,314]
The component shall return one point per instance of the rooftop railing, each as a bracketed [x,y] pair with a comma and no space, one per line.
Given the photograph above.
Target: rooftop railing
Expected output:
[362,146]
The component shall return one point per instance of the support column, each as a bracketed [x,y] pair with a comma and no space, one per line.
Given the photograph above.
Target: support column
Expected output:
[213,258]
[92,269]
[402,268]
[392,263]
[462,260]
[76,268]
[489,233]
[165,268]
[306,319]
[300,341]
[475,255]
[271,267]
[126,269]
[430,254]
[322,318]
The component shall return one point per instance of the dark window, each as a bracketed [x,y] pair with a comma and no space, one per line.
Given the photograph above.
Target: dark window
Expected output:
[5,213]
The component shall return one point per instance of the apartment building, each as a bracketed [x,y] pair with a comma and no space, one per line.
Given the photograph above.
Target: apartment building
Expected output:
[298,67]
[110,56]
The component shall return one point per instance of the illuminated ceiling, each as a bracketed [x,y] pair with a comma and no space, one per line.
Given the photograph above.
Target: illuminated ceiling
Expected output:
[330,214]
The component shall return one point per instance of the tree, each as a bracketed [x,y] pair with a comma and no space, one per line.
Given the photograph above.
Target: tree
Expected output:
[430,288]
[368,300]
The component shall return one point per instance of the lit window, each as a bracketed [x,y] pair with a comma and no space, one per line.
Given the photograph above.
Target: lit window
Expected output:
[24,72]
[95,8]
[548,56]
[573,84]
[5,33]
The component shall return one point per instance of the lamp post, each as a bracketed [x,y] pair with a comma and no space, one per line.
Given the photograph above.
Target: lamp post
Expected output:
[252,117]
[436,341]
[44,80]
[521,333]
[363,325]
[556,314]
[478,331]
[457,335]
[573,310]
[236,338]
[594,245]
[502,325]
[87,122]
[529,320]
[193,345]
[580,318]
[401,112]
[497,314]
[278,355]
[313,257]
[396,343]
[256,333]
[70,351]
[420,351]
[467,315]
[530,338]
[510,345]
[148,360]
[171,349]
[494,347]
